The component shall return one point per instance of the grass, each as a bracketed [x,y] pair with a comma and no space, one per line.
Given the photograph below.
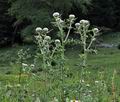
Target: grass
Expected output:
[105,62]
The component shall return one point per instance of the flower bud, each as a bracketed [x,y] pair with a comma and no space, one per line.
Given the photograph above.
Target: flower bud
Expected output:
[56,14]
[95,30]
[38,29]
[71,16]
[77,25]
[45,30]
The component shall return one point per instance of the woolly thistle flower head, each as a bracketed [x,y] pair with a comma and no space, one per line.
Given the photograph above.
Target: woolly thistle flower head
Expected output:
[95,30]
[38,30]
[45,30]
[71,17]
[56,14]
[47,38]
[57,42]
[77,25]
[84,22]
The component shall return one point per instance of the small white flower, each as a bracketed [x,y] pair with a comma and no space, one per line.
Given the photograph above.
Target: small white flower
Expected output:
[88,85]
[74,101]
[18,85]
[45,30]
[56,14]
[77,25]
[96,82]
[71,16]
[38,29]
[24,65]
[32,65]
[82,81]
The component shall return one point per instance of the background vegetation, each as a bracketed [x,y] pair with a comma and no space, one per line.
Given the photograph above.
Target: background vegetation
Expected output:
[19,18]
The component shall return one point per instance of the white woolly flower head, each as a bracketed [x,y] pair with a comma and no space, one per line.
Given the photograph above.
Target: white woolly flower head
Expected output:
[56,14]
[38,30]
[77,25]
[45,30]
[84,22]
[72,16]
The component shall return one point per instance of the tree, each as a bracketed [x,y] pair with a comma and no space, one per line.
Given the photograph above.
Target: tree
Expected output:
[39,11]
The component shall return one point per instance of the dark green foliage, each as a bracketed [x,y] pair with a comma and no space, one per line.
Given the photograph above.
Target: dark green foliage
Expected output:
[39,11]
[5,24]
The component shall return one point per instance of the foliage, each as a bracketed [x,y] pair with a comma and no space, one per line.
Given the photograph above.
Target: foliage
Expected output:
[39,11]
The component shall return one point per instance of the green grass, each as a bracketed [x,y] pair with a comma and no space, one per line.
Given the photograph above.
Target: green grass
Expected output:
[106,61]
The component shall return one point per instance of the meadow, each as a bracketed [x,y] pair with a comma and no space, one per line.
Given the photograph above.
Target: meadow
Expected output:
[62,70]
[101,67]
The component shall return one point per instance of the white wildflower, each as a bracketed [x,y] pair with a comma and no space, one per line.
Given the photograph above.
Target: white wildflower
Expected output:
[24,65]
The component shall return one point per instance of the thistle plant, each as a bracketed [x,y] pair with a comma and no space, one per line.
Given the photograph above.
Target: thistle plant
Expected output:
[61,25]
[87,37]
[43,42]
[82,29]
